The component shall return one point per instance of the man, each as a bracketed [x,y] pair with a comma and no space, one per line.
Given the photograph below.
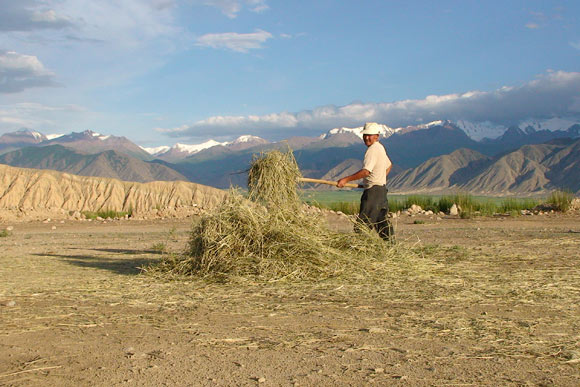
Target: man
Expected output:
[374,206]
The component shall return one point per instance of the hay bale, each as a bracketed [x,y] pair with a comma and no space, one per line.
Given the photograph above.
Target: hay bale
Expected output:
[271,238]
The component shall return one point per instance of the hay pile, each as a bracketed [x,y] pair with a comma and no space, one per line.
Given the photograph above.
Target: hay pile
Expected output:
[269,237]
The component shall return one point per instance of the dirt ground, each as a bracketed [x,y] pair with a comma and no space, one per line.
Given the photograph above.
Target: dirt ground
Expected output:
[500,306]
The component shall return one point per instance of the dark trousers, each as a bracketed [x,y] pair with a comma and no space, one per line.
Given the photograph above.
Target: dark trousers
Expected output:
[374,207]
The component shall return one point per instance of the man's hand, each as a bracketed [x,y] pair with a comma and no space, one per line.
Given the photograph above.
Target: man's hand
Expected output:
[359,175]
[342,182]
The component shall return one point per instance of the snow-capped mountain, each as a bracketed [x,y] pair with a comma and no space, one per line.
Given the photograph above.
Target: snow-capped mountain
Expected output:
[551,124]
[25,136]
[19,139]
[477,131]
[385,131]
[180,151]
[245,142]
[480,130]
[245,139]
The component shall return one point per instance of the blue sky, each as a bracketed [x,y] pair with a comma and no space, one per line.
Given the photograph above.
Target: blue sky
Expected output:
[162,71]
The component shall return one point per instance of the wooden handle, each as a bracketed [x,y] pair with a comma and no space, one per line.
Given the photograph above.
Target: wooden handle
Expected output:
[320,181]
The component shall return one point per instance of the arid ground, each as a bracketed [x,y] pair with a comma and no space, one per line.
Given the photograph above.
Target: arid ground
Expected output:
[499,305]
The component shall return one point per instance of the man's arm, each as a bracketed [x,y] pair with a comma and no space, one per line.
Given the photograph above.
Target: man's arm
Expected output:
[357,176]
[389,169]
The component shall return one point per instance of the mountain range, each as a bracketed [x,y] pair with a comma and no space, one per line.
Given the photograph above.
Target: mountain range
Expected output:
[109,163]
[415,151]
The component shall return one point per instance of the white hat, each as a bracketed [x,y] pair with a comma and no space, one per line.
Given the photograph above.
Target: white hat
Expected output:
[372,128]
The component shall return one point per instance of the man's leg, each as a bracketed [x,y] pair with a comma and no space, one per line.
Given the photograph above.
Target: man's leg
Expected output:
[384,225]
[373,207]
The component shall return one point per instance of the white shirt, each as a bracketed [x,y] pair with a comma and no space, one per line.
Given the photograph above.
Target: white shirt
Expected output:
[376,162]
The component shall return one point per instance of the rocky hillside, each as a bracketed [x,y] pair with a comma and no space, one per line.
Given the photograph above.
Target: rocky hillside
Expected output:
[530,169]
[35,193]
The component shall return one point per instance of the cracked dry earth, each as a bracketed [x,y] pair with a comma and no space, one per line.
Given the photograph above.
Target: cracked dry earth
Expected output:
[499,306]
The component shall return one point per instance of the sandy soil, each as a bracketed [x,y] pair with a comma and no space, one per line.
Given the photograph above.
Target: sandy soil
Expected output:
[500,307]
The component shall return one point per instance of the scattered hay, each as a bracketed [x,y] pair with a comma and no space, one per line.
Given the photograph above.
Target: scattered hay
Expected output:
[271,238]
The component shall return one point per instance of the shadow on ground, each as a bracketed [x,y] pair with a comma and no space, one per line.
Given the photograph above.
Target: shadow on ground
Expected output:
[123,251]
[122,266]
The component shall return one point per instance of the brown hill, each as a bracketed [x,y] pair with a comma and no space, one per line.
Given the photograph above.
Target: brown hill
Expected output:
[440,172]
[531,169]
[32,192]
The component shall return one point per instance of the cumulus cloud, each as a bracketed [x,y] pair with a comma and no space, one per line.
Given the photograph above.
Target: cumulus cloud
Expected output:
[19,72]
[28,15]
[555,94]
[235,41]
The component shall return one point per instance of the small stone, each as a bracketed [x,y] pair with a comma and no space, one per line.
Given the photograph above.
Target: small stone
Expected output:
[262,380]
[9,228]
[454,210]
[376,330]
[53,227]
[379,370]
[10,304]
[415,209]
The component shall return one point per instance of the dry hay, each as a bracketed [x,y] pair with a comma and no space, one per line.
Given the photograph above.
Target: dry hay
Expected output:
[273,179]
[270,237]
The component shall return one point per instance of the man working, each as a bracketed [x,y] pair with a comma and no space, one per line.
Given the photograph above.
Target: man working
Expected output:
[374,206]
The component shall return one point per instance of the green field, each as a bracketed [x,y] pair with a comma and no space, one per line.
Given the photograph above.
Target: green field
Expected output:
[348,202]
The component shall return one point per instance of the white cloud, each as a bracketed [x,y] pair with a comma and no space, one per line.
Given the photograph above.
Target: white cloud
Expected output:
[28,15]
[575,45]
[532,26]
[19,72]
[122,23]
[110,40]
[258,6]
[231,8]
[551,95]
[234,41]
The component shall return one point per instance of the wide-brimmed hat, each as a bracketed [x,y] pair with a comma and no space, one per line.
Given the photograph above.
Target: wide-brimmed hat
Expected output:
[372,128]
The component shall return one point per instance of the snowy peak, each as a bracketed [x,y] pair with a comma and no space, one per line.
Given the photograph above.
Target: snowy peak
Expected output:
[248,138]
[384,130]
[24,136]
[245,142]
[194,148]
[480,130]
[551,124]
[155,151]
